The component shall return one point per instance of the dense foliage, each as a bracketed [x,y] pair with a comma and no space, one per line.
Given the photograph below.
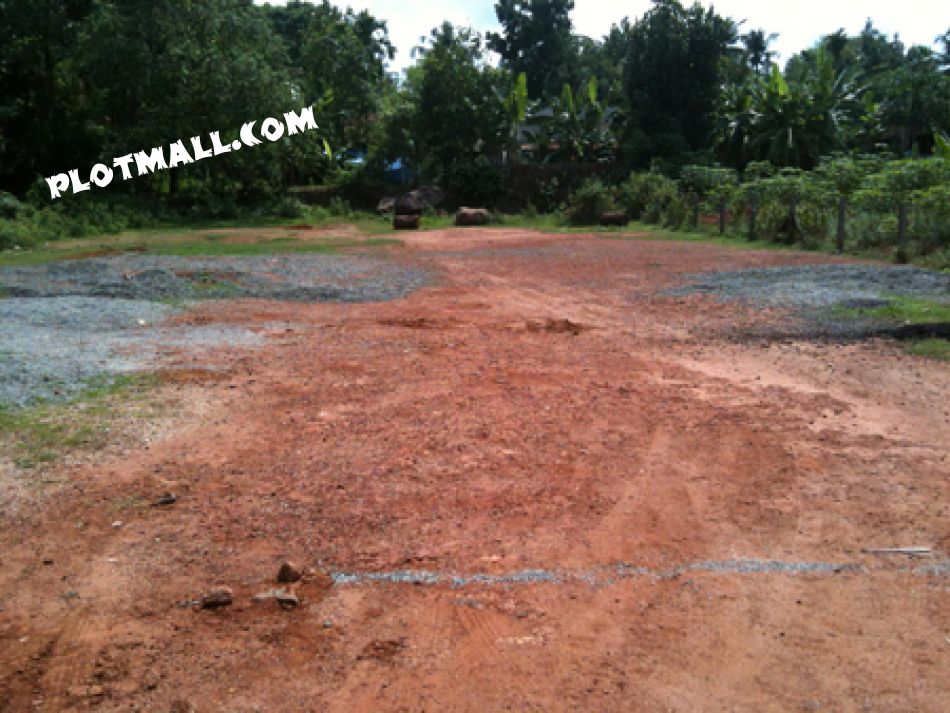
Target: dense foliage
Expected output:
[843,142]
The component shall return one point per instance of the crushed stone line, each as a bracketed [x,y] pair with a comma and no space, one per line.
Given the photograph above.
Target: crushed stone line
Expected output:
[605,575]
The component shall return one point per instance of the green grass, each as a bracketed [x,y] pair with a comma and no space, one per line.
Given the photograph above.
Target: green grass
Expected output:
[43,433]
[279,246]
[195,244]
[907,310]
[208,237]
[653,232]
[931,349]
[910,310]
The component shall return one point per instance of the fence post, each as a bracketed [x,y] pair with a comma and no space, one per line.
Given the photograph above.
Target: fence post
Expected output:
[722,216]
[842,213]
[753,213]
[901,255]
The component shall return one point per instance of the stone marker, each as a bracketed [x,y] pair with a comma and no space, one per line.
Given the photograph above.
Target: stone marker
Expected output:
[472,216]
[614,217]
[406,222]
[419,200]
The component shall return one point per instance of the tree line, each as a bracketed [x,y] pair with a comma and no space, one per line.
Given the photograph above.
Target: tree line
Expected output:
[85,80]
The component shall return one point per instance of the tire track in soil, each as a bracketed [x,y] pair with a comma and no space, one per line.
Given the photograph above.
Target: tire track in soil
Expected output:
[495,477]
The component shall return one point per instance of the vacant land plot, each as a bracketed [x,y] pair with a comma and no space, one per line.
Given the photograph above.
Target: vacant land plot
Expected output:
[516,471]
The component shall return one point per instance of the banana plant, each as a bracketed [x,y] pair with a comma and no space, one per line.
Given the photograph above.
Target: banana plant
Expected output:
[942,144]
[576,128]
[516,107]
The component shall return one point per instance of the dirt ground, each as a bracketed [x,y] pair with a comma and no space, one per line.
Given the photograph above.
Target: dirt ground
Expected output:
[642,514]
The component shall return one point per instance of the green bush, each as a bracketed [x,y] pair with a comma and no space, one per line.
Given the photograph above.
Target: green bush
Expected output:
[635,194]
[548,192]
[9,205]
[675,213]
[666,206]
[339,207]
[930,221]
[287,207]
[591,199]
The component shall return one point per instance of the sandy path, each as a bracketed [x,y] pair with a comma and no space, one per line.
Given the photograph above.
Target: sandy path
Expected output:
[641,515]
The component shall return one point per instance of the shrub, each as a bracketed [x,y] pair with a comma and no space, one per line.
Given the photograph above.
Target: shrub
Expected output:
[9,234]
[930,224]
[339,207]
[588,202]
[9,205]
[288,207]
[635,194]
[666,205]
[548,192]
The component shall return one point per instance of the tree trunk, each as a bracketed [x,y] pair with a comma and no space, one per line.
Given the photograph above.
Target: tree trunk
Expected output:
[753,214]
[901,255]
[722,217]
[842,214]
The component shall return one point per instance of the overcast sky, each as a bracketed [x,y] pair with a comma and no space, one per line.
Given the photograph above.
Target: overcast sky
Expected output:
[799,23]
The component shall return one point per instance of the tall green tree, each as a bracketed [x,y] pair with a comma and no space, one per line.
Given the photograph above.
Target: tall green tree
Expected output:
[915,101]
[672,79]
[452,119]
[336,58]
[536,39]
[756,53]
[604,59]
[44,105]
[187,69]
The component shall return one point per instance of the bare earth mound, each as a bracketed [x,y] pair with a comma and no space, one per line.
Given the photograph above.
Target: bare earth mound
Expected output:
[542,482]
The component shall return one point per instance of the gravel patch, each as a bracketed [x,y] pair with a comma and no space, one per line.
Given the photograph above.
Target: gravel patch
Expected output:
[611,574]
[51,348]
[64,324]
[814,294]
[304,278]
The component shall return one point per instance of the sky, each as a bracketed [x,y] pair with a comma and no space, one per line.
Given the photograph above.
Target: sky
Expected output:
[799,23]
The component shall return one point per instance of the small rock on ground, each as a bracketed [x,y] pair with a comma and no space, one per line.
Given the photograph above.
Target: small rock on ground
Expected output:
[288,573]
[219,597]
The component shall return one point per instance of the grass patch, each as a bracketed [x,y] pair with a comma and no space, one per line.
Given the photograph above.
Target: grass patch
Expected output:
[210,237]
[41,434]
[186,244]
[931,349]
[652,232]
[276,246]
[908,310]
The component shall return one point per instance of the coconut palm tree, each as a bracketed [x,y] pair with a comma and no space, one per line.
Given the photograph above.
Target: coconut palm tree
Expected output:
[757,53]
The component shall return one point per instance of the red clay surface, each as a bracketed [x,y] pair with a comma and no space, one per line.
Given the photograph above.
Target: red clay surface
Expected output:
[539,408]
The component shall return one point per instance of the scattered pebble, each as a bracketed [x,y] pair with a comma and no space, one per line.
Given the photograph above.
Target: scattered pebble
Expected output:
[216,598]
[289,573]
[281,596]
[85,691]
